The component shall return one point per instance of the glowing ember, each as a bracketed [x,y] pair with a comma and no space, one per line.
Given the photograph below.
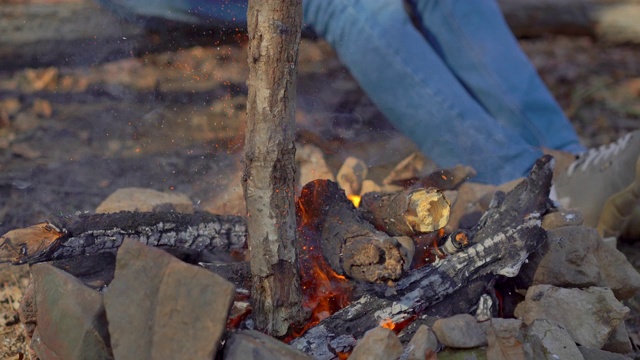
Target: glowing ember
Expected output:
[387,323]
[355,199]
[325,291]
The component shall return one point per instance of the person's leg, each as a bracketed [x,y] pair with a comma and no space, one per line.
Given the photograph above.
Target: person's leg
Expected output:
[413,87]
[476,43]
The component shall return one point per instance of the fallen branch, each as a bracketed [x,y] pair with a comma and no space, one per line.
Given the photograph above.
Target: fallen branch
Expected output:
[202,235]
[408,212]
[503,239]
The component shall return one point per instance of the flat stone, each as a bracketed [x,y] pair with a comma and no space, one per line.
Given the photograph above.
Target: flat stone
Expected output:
[254,345]
[141,199]
[377,343]
[576,256]
[619,341]
[617,273]
[597,354]
[589,315]
[28,312]
[160,307]
[463,354]
[503,340]
[506,327]
[556,340]
[460,331]
[71,322]
[562,218]
[422,344]
[569,259]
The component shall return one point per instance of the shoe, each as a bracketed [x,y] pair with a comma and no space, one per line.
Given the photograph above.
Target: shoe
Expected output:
[596,176]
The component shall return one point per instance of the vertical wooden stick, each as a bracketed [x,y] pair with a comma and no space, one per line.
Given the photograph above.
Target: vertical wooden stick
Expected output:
[268,181]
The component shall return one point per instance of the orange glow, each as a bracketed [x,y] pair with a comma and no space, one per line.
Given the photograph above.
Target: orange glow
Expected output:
[427,250]
[324,291]
[355,199]
[388,324]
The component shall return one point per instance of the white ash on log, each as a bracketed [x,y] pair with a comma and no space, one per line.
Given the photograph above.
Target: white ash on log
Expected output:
[199,234]
[351,245]
[409,212]
[502,241]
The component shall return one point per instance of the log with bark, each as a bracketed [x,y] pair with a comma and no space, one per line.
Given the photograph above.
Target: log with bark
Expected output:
[408,212]
[507,233]
[351,245]
[269,155]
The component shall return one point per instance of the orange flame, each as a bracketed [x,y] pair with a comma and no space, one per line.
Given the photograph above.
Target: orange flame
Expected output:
[325,291]
[388,324]
[355,199]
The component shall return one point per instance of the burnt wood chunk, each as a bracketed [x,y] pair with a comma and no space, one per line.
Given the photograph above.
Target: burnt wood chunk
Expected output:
[501,242]
[408,212]
[351,245]
[203,235]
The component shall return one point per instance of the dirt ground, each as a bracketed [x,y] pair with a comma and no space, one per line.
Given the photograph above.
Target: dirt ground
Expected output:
[174,121]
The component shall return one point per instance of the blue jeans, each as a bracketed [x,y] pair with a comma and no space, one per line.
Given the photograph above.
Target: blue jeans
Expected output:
[458,84]
[466,95]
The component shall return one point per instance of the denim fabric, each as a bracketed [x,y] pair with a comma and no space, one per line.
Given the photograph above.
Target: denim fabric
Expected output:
[458,84]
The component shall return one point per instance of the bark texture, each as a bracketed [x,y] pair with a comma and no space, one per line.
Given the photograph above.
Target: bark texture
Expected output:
[269,175]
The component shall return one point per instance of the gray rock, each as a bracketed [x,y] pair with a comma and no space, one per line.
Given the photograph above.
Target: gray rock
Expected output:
[597,354]
[556,341]
[617,273]
[28,312]
[141,199]
[576,256]
[71,322]
[570,260]
[589,315]
[506,327]
[462,354]
[254,345]
[161,308]
[377,343]
[562,218]
[422,343]
[619,341]
[502,340]
[460,331]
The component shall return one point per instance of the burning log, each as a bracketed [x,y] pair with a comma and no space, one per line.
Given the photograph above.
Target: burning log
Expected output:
[351,245]
[504,237]
[200,234]
[409,212]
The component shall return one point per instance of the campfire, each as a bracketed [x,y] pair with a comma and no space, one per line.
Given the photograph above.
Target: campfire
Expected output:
[386,264]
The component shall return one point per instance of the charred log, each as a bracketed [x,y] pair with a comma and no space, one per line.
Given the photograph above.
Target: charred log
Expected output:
[408,212]
[508,232]
[351,245]
[202,235]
